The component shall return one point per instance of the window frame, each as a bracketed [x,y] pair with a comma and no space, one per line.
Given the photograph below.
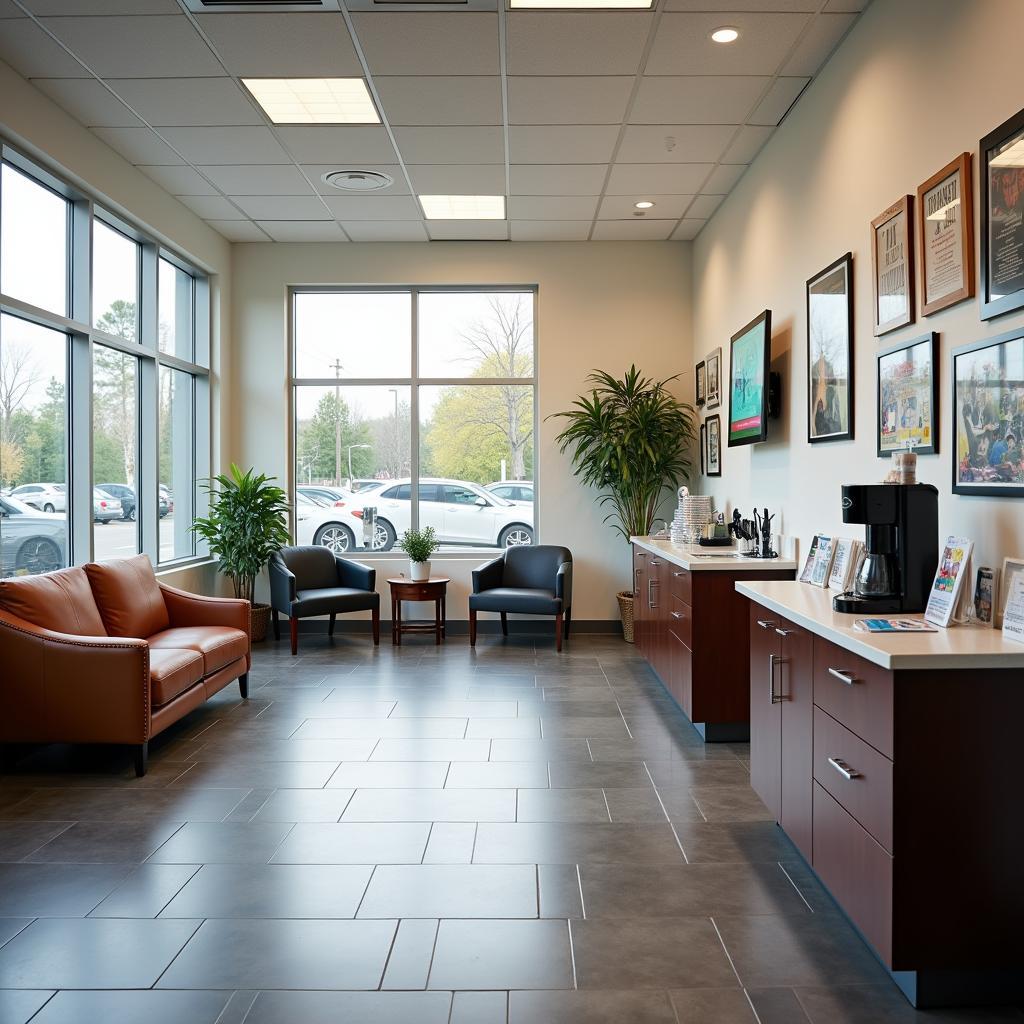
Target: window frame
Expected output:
[414,382]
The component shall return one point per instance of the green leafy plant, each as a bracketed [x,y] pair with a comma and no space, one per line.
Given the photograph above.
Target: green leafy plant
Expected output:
[631,439]
[419,545]
[248,522]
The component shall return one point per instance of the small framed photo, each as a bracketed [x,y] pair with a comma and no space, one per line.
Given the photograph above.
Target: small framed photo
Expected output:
[945,232]
[830,353]
[714,379]
[714,460]
[703,449]
[1012,567]
[986,593]
[1001,169]
[892,261]
[908,397]
[702,383]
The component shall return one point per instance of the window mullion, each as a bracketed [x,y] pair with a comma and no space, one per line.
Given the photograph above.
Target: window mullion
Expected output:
[414,415]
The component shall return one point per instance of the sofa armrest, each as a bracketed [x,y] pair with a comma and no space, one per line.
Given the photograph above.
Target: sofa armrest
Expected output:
[563,584]
[185,609]
[355,574]
[488,576]
[282,584]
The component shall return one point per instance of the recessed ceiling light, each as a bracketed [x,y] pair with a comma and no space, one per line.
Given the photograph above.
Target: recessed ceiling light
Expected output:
[314,100]
[576,5]
[725,34]
[463,207]
[644,204]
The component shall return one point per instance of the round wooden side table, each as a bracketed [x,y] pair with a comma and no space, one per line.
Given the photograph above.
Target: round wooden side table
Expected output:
[404,589]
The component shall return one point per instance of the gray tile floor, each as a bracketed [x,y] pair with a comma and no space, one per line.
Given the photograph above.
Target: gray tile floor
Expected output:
[422,835]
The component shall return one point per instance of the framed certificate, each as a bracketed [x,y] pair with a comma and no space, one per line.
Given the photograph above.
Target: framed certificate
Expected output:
[830,353]
[945,233]
[892,260]
[1001,166]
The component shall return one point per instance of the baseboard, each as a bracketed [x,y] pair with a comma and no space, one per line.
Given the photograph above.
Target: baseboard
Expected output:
[460,627]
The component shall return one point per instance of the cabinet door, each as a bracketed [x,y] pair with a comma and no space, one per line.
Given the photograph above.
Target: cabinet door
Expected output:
[640,564]
[794,681]
[765,709]
[657,616]
[680,672]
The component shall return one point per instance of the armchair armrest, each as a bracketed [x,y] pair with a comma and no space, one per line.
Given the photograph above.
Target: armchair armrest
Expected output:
[355,574]
[488,576]
[185,609]
[282,584]
[563,584]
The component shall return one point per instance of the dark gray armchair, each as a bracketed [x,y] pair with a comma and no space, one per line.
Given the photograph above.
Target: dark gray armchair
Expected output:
[528,580]
[312,580]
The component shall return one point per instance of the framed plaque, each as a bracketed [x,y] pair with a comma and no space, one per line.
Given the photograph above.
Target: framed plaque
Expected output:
[892,261]
[703,448]
[830,353]
[714,460]
[701,383]
[1001,166]
[945,233]
[908,397]
[713,379]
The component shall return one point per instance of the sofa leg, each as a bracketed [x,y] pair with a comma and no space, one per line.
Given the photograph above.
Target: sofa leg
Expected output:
[558,631]
[243,685]
[504,623]
[293,623]
[472,628]
[330,627]
[141,752]
[376,627]
[277,624]
[568,622]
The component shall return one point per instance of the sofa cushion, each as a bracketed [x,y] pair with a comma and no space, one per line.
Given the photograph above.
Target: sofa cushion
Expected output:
[524,600]
[172,672]
[61,601]
[219,645]
[128,596]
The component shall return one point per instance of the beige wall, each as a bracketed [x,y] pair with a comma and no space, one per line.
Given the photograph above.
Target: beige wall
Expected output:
[916,83]
[600,305]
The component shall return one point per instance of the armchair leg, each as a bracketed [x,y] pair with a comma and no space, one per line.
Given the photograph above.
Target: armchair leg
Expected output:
[558,632]
[330,628]
[293,623]
[472,628]
[243,685]
[504,623]
[277,625]
[568,622]
[376,627]
[141,752]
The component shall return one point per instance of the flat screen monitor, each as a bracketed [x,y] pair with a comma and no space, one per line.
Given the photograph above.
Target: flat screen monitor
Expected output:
[750,351]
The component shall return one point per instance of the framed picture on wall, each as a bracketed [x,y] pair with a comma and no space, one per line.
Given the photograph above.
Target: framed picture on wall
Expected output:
[714,379]
[830,353]
[703,448]
[749,361]
[1001,167]
[988,416]
[714,444]
[702,383]
[908,397]
[892,262]
[945,233]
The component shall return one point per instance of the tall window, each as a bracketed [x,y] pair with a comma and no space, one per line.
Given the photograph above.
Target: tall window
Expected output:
[417,407]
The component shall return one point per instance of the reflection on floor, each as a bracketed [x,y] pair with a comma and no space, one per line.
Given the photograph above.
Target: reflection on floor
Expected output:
[421,835]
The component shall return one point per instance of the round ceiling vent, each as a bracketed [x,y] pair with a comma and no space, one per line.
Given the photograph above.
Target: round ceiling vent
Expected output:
[359,181]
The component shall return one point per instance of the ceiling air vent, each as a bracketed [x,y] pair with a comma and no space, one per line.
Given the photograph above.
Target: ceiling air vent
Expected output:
[245,6]
[359,181]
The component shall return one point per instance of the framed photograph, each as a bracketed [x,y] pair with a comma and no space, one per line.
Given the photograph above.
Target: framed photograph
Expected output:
[830,353]
[908,397]
[749,359]
[1001,168]
[713,371]
[988,416]
[702,383]
[945,233]
[892,262]
[986,592]
[703,449]
[714,462]
[1012,568]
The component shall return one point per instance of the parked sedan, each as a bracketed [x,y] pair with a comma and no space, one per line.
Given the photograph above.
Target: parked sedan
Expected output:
[45,497]
[166,500]
[30,541]
[105,507]
[322,524]
[335,497]
[519,492]
[125,493]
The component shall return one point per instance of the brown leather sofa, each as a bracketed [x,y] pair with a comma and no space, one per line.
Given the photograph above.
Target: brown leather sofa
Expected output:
[104,653]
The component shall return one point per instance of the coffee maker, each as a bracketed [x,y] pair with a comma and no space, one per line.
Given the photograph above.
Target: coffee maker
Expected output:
[901,547]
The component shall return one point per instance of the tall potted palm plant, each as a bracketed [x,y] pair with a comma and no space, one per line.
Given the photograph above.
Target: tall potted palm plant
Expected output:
[248,522]
[630,438]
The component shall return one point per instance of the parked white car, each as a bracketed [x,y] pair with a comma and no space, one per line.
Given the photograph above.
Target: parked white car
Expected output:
[323,524]
[519,492]
[45,497]
[30,541]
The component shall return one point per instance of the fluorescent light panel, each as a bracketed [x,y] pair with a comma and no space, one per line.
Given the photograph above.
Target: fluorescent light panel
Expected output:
[463,207]
[577,5]
[314,100]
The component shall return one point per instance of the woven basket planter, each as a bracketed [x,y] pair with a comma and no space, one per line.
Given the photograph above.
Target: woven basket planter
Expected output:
[259,619]
[625,598]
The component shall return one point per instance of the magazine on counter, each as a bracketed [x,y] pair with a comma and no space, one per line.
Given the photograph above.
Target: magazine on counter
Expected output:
[947,593]
[808,569]
[844,564]
[823,561]
[894,626]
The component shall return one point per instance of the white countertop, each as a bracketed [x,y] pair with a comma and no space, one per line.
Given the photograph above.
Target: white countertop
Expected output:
[698,559]
[972,646]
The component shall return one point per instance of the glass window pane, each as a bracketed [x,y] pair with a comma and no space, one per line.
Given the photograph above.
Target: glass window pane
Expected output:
[176,306]
[476,334]
[115,282]
[33,242]
[33,448]
[473,436]
[353,334]
[177,464]
[115,426]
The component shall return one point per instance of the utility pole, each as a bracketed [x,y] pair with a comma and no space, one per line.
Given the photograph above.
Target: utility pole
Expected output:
[337,367]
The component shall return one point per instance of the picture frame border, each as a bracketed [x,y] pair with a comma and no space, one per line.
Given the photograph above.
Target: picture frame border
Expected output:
[700,393]
[961,163]
[991,308]
[1004,587]
[716,354]
[906,203]
[764,316]
[933,448]
[848,435]
[703,443]
[718,419]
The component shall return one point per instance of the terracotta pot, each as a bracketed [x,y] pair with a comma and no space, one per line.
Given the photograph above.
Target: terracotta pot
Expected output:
[259,619]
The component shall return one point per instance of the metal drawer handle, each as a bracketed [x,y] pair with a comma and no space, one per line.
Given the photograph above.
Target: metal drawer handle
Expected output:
[844,769]
[654,561]
[784,632]
[773,660]
[843,677]
[677,615]
[682,573]
[765,623]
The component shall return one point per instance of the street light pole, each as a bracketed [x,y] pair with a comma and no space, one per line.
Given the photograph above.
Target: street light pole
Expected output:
[350,447]
[336,365]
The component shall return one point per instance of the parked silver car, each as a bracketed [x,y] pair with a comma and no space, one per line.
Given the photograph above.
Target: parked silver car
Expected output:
[105,507]
[30,541]
[45,497]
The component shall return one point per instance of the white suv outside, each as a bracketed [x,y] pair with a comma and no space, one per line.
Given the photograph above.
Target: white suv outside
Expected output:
[45,497]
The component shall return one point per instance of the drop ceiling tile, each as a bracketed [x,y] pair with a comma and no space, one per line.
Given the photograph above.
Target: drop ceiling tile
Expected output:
[658,179]
[747,144]
[33,54]
[435,43]
[703,207]
[782,95]
[482,145]
[239,230]
[88,102]
[256,180]
[820,41]
[550,230]
[483,230]
[151,47]
[303,230]
[576,42]
[457,179]
[241,145]
[697,99]
[212,207]
[386,230]
[570,144]
[552,207]
[674,143]
[565,100]
[187,101]
[292,44]
[622,207]
[344,146]
[138,145]
[41,8]
[742,5]
[376,208]
[283,207]
[442,100]
[639,230]
[724,179]
[316,174]
[179,180]
[683,44]
[688,229]
[557,179]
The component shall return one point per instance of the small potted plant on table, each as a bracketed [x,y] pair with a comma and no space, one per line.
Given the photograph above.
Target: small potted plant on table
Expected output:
[419,545]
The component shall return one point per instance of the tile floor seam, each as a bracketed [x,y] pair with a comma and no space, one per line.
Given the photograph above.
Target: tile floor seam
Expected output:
[668,817]
[46,842]
[227,1006]
[589,750]
[572,954]
[728,955]
[579,883]
[447,772]
[753,1008]
[177,892]
[800,1003]
[234,807]
[536,880]
[387,959]
[281,843]
[195,931]
[43,1007]
[699,808]
[795,886]
[607,808]
[373,750]
[351,797]
[472,852]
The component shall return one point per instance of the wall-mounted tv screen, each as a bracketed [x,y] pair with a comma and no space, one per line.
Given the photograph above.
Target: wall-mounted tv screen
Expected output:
[750,351]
